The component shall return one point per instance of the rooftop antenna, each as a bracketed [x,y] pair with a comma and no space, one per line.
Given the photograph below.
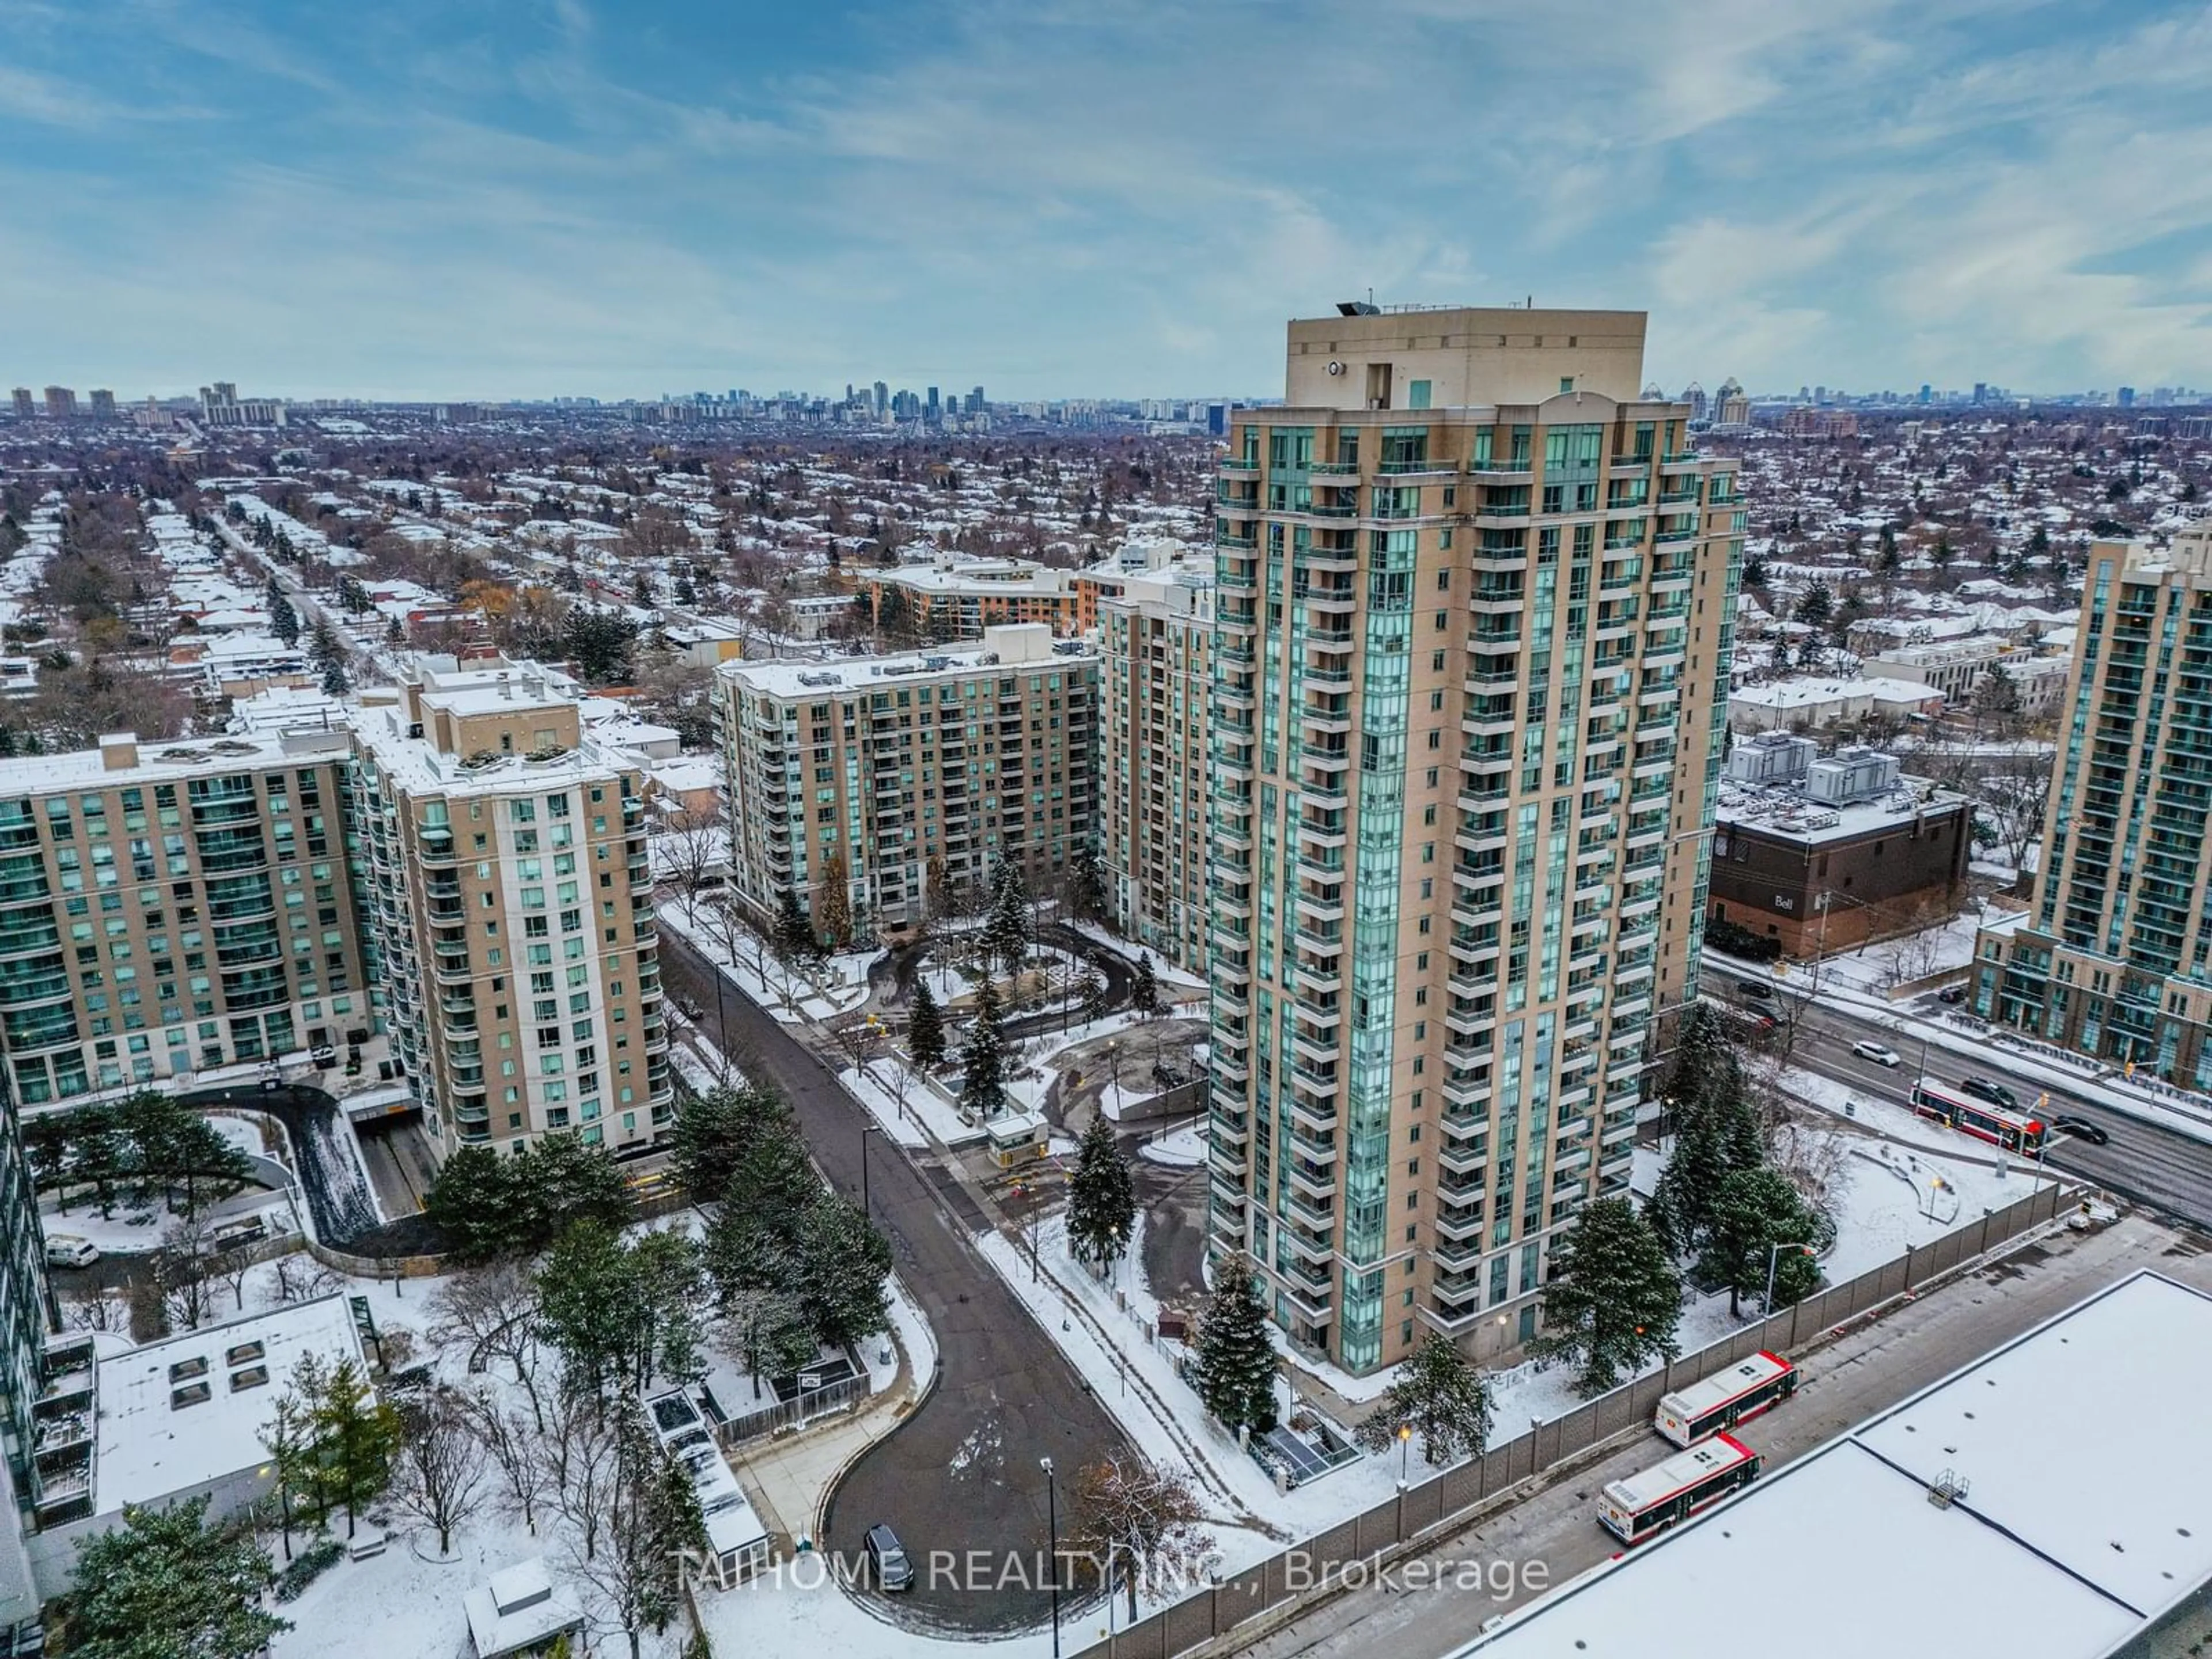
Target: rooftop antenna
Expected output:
[1531,305]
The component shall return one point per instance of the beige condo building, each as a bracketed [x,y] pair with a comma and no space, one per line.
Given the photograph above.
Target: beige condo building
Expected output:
[456,887]
[1472,642]
[506,884]
[1156,640]
[897,775]
[172,908]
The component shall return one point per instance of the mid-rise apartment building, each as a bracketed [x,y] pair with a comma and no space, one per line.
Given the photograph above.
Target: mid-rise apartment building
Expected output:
[2111,960]
[28,1317]
[1473,626]
[1156,640]
[956,597]
[902,776]
[508,889]
[170,908]
[457,884]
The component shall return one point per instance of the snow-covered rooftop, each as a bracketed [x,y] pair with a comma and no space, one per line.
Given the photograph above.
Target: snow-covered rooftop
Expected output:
[158,1436]
[2081,1514]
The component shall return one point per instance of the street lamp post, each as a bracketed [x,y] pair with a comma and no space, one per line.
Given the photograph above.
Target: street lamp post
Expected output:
[1773,1257]
[1052,1526]
[867,1128]
[1405,1445]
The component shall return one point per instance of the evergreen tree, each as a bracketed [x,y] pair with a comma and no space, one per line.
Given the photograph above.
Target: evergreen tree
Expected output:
[847,1259]
[1753,1211]
[323,648]
[284,620]
[335,682]
[1234,1361]
[793,939]
[1816,604]
[1440,1396]
[925,1028]
[1713,1139]
[167,1582]
[1007,934]
[1102,1199]
[1612,1300]
[1705,1067]
[1086,883]
[836,901]
[1144,988]
[356,1435]
[983,1060]
[714,1132]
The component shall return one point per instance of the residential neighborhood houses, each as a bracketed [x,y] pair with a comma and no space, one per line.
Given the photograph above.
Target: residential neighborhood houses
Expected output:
[643,1027]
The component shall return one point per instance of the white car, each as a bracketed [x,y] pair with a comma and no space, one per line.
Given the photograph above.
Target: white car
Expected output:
[1880,1053]
[68,1250]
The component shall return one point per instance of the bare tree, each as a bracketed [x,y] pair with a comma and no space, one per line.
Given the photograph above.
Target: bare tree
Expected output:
[441,1464]
[181,1268]
[302,1278]
[582,1456]
[520,1452]
[494,1311]
[2016,802]
[233,1267]
[1140,1525]
[694,849]
[96,1311]
[634,1541]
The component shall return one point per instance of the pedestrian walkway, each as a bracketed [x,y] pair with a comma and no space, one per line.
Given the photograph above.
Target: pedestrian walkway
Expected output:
[789,1477]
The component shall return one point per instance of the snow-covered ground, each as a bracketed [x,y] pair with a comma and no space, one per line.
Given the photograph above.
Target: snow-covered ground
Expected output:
[840,986]
[1879,967]
[1180,1149]
[923,1115]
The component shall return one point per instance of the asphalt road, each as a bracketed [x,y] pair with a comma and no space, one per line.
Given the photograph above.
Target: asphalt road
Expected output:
[1866,1372]
[2145,1162]
[960,1475]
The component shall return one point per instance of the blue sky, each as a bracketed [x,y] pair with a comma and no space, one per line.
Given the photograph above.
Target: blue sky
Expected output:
[519,197]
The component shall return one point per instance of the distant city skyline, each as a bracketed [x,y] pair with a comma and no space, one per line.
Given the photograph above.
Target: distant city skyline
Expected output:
[534,198]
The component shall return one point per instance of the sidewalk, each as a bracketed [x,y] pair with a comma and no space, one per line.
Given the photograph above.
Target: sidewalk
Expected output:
[789,1478]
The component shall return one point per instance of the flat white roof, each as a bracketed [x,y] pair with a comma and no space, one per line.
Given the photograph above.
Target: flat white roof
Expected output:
[2086,1513]
[1805,693]
[150,1446]
[2080,1440]
[1841,1558]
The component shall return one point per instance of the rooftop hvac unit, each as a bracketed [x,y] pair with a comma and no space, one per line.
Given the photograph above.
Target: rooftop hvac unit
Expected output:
[1852,775]
[1770,758]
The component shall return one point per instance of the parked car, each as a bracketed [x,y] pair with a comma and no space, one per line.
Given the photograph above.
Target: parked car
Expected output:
[1952,994]
[324,1056]
[2080,1128]
[1755,990]
[1996,1093]
[1880,1053]
[888,1557]
[68,1250]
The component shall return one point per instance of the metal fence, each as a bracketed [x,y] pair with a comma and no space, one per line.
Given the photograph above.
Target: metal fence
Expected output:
[789,1413]
[1445,1500]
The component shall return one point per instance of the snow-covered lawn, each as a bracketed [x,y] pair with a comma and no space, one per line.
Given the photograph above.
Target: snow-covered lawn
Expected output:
[1180,1149]
[925,1115]
[841,985]
[1876,969]
[1107,1339]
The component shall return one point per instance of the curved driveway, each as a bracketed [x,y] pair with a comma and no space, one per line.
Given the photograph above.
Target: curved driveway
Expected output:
[960,1475]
